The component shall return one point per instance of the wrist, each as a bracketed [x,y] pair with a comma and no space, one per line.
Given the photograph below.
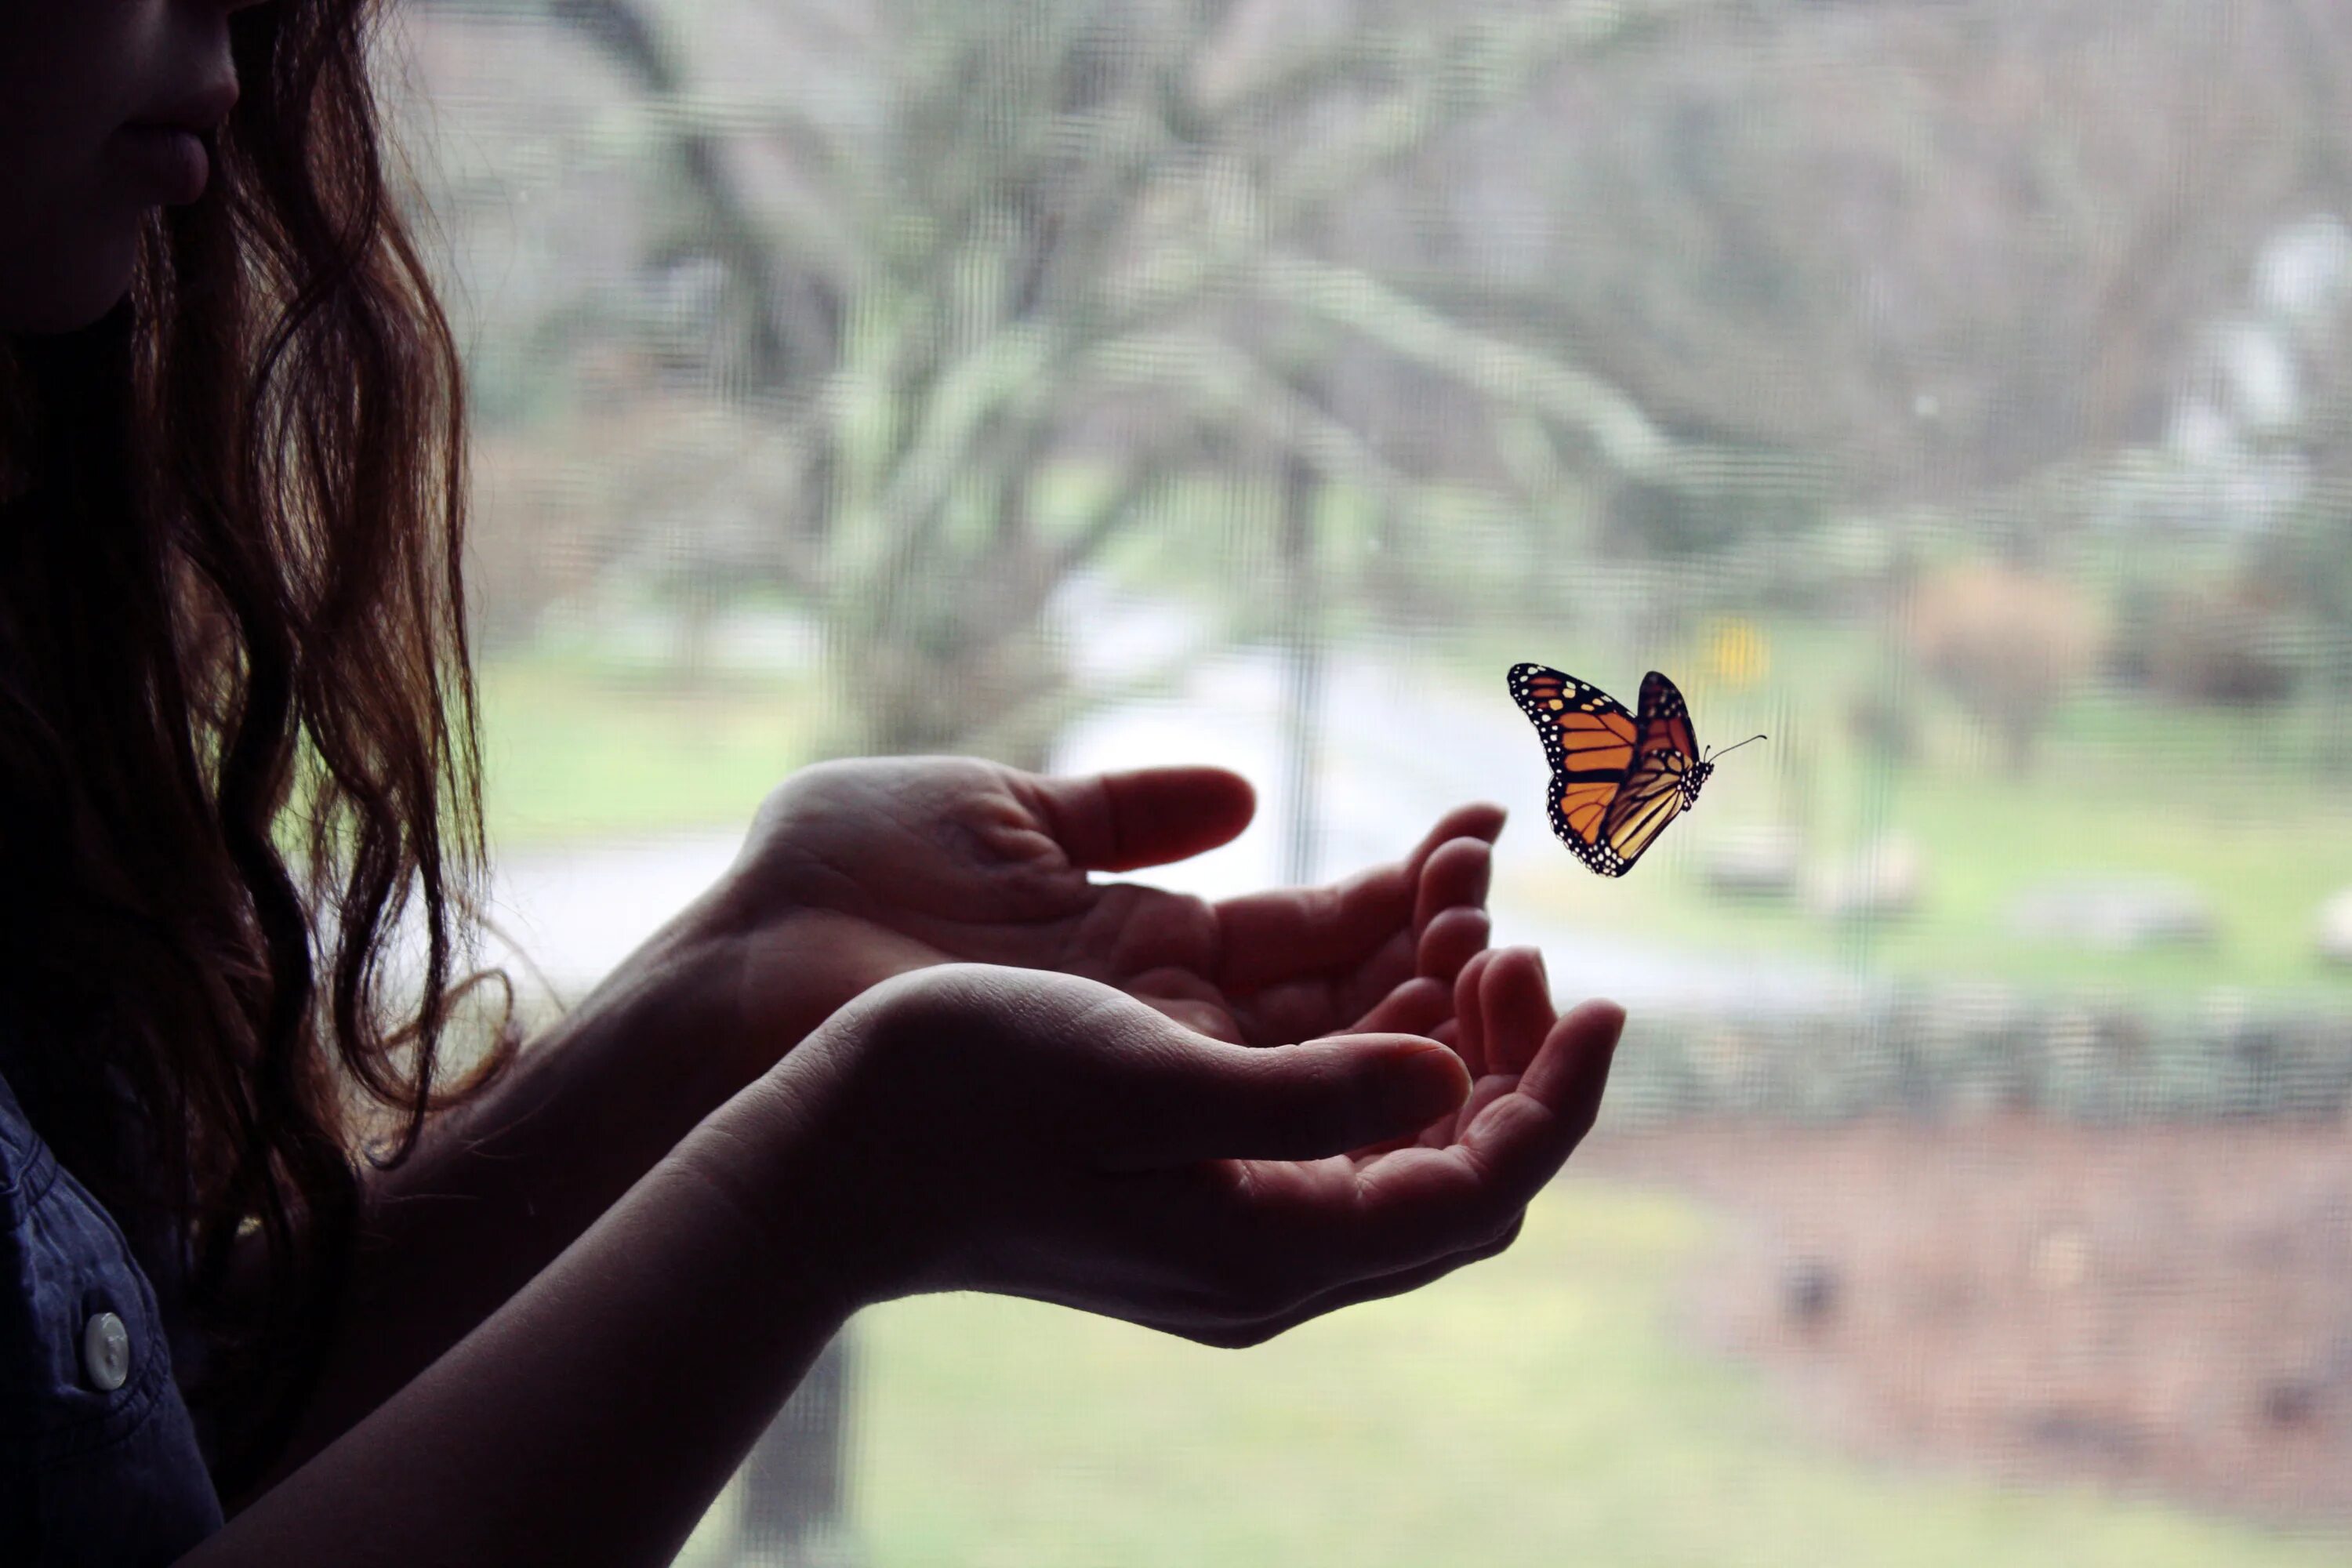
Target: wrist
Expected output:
[717,991]
[755,975]
[662,1032]
[772,1159]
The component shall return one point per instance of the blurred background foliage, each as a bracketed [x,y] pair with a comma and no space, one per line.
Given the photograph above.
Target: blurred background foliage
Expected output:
[1959,390]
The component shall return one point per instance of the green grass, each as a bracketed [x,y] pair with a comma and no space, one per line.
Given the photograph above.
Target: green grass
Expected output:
[1985,842]
[1535,1411]
[574,752]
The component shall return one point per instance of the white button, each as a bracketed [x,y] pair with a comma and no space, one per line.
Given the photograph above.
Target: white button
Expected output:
[106,1352]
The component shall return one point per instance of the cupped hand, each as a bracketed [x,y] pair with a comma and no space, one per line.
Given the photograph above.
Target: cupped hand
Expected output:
[1047,1136]
[858,871]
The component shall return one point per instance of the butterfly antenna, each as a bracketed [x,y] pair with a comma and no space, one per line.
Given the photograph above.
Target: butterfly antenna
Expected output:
[1727,750]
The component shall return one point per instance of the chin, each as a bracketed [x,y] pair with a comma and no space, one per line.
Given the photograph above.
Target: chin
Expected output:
[64,286]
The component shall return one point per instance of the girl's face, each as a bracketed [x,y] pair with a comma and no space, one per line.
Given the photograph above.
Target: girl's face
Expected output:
[103,108]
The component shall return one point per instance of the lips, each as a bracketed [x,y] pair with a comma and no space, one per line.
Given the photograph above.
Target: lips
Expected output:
[169,148]
[170,162]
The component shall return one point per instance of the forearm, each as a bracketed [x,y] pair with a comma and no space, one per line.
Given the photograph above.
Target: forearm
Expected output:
[593,1416]
[500,1187]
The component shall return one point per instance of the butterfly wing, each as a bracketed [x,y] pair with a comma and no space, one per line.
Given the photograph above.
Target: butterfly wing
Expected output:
[1590,740]
[1665,749]
[1664,719]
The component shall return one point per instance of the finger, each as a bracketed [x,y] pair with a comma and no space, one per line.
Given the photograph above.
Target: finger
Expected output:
[1447,1130]
[1469,1017]
[1287,932]
[1571,1070]
[1147,816]
[1420,1006]
[1419,1203]
[1290,931]
[1317,1005]
[1183,1099]
[1279,1231]
[1453,939]
[1527,1135]
[1515,1004]
[1480,819]
[1457,873]
[1415,1007]
[1483,1092]
[1436,947]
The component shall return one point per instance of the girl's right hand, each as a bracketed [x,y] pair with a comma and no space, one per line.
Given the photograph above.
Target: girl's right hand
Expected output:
[1037,1135]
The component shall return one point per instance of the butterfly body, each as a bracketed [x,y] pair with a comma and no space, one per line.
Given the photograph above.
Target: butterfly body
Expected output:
[1618,778]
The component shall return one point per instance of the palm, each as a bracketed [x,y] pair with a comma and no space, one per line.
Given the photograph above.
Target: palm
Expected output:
[871,869]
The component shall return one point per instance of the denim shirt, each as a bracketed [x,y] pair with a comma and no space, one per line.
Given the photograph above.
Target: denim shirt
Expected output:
[88,1474]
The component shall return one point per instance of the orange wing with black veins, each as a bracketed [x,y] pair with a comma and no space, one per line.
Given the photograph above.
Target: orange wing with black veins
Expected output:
[1590,740]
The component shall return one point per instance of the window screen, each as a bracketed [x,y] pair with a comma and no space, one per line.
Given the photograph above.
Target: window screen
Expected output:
[1958,394]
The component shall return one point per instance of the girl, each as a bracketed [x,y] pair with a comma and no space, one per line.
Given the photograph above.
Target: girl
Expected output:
[259,1246]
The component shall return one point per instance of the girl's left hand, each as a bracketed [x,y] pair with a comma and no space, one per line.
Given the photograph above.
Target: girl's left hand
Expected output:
[858,871]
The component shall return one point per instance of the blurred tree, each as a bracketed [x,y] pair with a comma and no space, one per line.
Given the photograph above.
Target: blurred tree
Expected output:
[1952,244]
[938,258]
[962,251]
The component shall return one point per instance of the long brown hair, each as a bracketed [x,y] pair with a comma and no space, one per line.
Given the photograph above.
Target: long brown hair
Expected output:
[236,719]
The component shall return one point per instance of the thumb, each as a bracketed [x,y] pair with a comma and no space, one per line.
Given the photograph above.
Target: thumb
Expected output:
[1149,816]
[1198,1098]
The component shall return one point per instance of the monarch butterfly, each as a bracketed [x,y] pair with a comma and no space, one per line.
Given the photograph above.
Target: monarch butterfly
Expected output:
[1617,778]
